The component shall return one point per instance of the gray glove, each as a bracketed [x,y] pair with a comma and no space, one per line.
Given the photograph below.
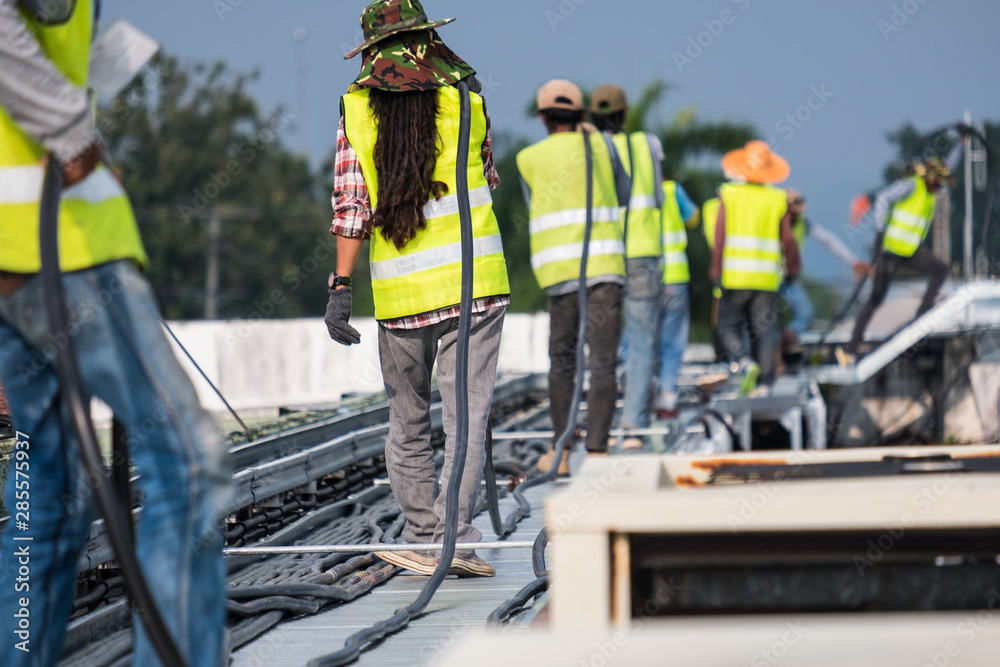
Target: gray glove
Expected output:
[338,312]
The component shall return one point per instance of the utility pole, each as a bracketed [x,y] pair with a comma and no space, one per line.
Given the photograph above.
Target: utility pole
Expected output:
[212,271]
[969,269]
[302,86]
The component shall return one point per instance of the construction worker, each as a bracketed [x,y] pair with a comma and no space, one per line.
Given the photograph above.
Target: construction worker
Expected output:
[900,235]
[792,292]
[679,215]
[554,175]
[124,359]
[752,233]
[395,183]
[641,156]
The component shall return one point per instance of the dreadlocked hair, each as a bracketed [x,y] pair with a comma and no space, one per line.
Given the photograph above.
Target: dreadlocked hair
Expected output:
[406,153]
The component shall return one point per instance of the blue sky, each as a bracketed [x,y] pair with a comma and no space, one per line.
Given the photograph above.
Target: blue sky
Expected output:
[865,66]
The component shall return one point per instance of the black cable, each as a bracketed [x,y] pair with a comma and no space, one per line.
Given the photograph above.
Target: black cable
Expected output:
[538,553]
[355,643]
[117,523]
[492,495]
[247,431]
[529,592]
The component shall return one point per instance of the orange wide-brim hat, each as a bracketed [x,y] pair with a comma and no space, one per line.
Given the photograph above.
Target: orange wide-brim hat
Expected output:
[756,163]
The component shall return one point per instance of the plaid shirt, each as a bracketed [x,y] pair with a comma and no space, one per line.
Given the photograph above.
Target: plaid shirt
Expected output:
[352,213]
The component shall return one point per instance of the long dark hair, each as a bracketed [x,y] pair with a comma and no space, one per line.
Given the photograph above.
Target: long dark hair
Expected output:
[405,156]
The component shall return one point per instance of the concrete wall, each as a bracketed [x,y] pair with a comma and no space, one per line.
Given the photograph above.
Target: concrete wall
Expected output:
[261,364]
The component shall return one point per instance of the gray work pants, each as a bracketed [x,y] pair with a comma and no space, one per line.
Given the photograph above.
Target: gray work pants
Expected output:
[407,357]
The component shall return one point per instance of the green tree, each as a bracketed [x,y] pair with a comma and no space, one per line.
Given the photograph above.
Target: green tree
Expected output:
[193,147]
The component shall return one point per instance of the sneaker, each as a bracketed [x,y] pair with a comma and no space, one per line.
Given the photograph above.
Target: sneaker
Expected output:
[845,359]
[633,442]
[416,561]
[471,566]
[751,371]
[712,381]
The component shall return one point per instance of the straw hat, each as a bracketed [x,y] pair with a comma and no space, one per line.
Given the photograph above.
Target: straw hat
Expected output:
[756,163]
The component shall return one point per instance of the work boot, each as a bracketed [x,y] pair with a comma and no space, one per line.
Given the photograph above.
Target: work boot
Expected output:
[471,565]
[545,462]
[845,359]
[420,562]
[751,372]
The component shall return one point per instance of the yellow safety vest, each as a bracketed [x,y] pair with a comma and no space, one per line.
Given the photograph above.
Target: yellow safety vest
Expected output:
[555,171]
[675,239]
[426,275]
[643,228]
[751,258]
[800,228]
[96,223]
[909,221]
[709,216]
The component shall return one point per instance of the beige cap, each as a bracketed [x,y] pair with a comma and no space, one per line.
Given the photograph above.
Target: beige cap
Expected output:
[560,94]
[607,99]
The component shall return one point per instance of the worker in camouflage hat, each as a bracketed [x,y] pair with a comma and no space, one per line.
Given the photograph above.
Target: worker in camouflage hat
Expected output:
[396,184]
[402,50]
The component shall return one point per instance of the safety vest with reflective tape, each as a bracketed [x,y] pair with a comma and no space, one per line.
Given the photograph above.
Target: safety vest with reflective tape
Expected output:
[96,223]
[751,258]
[909,221]
[675,239]
[556,173]
[643,228]
[709,216]
[425,275]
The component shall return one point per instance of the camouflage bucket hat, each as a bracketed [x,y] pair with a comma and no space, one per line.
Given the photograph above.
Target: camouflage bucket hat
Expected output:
[402,50]
[412,61]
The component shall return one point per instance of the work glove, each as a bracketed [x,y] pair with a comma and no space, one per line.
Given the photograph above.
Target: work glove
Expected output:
[338,312]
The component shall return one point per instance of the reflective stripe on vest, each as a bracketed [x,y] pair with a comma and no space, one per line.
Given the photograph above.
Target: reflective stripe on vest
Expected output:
[675,240]
[751,258]
[643,227]
[800,228]
[555,171]
[709,216]
[425,275]
[96,223]
[910,220]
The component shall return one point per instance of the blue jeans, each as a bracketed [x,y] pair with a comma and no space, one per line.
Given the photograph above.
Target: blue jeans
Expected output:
[642,319]
[675,325]
[178,450]
[803,314]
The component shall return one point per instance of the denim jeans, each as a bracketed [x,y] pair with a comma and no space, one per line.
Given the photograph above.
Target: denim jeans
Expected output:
[178,450]
[675,326]
[407,358]
[642,320]
[604,303]
[797,299]
[750,327]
